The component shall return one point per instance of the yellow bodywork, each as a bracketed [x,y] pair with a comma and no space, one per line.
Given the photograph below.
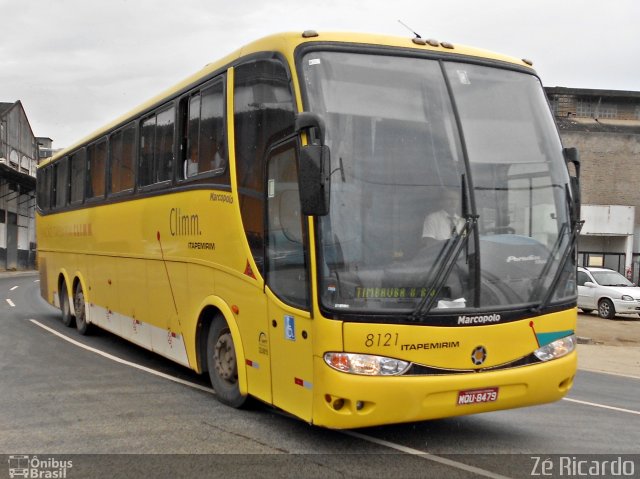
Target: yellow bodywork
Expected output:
[149,267]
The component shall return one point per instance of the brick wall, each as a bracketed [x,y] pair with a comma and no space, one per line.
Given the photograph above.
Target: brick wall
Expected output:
[610,167]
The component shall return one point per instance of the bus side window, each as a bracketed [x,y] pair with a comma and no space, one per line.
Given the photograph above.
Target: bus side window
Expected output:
[287,267]
[202,146]
[61,183]
[156,148]
[121,152]
[263,114]
[76,187]
[96,169]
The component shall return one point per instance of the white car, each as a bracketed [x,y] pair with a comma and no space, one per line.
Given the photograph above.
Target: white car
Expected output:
[607,291]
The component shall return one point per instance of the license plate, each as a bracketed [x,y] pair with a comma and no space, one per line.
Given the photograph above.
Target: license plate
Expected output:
[476,396]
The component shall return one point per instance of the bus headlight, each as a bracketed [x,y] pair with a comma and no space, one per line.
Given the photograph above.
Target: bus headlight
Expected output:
[366,364]
[556,349]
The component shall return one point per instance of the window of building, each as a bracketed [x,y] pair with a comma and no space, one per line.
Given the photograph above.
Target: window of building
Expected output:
[587,108]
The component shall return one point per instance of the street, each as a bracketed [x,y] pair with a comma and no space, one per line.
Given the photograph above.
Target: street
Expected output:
[64,394]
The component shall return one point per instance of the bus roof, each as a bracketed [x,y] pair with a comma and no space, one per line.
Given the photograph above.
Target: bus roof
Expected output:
[286,43]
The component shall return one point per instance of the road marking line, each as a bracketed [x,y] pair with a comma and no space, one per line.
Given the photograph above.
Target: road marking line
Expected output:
[604,406]
[11,303]
[123,361]
[425,455]
[609,373]
[398,447]
[14,288]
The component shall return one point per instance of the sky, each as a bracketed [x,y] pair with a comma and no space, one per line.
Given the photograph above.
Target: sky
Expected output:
[78,64]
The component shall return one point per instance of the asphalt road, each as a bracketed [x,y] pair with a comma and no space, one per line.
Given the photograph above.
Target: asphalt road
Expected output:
[116,410]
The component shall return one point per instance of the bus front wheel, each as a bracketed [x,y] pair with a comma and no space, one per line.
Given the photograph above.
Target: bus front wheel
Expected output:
[222,364]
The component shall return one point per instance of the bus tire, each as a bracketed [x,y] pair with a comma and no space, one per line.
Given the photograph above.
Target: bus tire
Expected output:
[67,318]
[222,364]
[81,313]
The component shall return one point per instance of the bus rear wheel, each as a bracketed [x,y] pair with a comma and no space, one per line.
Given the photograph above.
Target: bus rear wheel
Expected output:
[222,364]
[67,318]
[81,314]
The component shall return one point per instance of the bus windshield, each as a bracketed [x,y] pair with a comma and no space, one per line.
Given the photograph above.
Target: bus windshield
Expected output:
[448,184]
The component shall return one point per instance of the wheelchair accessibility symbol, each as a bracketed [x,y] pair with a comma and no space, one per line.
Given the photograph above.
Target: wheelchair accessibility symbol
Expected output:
[290,328]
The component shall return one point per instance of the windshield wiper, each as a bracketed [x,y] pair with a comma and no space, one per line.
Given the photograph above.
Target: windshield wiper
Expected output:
[446,261]
[575,231]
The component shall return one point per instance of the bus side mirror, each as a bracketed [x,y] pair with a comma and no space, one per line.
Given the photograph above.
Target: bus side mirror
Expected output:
[313,176]
[571,157]
[314,167]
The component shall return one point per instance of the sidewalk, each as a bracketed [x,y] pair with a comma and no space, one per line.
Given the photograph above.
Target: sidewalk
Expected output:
[7,274]
[622,360]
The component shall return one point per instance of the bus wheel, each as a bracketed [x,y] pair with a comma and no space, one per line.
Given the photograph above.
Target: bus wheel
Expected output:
[67,318]
[81,313]
[222,364]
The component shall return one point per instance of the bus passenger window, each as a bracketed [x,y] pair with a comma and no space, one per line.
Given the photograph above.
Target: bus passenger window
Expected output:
[122,148]
[96,166]
[77,161]
[156,148]
[202,145]
[61,183]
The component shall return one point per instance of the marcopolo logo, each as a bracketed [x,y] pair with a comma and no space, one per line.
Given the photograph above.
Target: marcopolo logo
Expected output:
[480,319]
[36,468]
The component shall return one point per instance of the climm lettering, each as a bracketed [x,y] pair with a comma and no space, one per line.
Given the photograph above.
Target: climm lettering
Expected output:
[183,224]
[426,346]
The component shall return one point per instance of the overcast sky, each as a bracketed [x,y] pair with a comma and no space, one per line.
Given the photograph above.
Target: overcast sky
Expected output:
[78,64]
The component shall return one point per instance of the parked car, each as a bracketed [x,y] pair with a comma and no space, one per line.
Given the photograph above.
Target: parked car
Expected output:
[607,291]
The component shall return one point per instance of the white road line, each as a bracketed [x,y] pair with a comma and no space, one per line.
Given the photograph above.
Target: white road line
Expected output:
[425,455]
[123,361]
[603,406]
[14,288]
[397,447]
[631,376]
[11,303]
[381,442]
[37,281]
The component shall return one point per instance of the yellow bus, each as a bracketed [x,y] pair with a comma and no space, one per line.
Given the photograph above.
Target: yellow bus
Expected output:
[356,229]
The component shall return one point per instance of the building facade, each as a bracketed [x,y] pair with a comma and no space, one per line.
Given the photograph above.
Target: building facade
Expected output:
[605,127]
[18,161]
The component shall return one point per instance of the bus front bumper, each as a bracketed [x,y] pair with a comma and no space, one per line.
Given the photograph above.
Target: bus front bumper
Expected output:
[344,401]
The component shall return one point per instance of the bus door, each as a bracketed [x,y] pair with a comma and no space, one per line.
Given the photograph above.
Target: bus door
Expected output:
[287,276]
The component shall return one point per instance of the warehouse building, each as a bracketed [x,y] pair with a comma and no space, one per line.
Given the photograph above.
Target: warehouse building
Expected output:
[18,161]
[605,127]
